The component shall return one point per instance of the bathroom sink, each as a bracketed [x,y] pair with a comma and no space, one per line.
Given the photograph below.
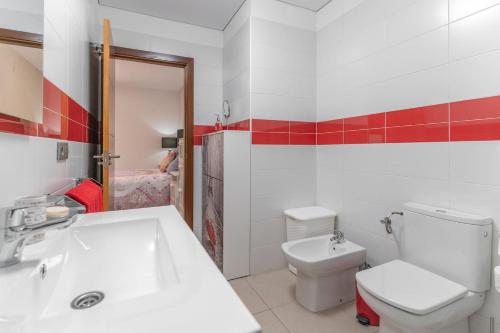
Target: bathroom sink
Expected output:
[136,271]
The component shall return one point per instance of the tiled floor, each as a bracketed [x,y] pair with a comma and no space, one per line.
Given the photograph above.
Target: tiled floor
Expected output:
[271,299]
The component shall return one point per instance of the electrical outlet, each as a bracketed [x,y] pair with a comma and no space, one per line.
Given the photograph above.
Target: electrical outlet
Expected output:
[62,151]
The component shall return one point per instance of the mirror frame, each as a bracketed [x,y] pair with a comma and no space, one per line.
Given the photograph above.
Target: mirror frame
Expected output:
[22,38]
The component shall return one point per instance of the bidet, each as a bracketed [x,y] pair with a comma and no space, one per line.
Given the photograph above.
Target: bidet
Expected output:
[326,269]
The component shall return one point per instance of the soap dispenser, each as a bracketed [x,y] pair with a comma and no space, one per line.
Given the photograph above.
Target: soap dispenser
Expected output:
[218,124]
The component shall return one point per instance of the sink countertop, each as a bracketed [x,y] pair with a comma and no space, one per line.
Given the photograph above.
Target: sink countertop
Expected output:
[194,297]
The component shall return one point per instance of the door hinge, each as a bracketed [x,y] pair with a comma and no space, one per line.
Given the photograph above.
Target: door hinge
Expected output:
[98,50]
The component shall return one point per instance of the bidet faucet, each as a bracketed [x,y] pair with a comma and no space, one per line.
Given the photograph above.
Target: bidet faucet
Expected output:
[14,231]
[338,237]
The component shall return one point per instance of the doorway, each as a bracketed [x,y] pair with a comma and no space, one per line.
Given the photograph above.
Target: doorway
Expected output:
[152,129]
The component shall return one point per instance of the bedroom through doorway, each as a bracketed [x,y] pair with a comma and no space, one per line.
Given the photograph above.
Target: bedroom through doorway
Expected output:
[150,128]
[149,135]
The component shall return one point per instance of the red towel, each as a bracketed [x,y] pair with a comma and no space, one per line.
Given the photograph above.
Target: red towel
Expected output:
[88,194]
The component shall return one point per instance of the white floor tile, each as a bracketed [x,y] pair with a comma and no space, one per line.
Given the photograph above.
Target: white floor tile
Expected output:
[270,323]
[248,296]
[275,288]
[299,320]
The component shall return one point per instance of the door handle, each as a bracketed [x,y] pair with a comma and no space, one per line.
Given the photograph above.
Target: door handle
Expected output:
[105,159]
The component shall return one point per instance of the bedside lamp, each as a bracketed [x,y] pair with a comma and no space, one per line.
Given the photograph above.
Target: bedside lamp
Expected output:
[169,143]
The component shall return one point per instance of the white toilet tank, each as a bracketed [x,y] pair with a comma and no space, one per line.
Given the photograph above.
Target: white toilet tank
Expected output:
[452,244]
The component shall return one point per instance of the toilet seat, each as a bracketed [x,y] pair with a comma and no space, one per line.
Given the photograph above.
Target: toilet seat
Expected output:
[409,287]
[432,322]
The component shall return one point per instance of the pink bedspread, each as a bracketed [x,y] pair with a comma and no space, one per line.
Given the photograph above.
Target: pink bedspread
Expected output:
[140,189]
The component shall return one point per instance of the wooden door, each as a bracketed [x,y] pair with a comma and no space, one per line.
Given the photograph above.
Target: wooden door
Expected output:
[108,112]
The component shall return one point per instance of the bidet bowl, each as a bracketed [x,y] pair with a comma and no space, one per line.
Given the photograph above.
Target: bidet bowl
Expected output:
[325,270]
[317,256]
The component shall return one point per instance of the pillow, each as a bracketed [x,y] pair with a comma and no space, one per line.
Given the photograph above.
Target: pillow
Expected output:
[174,165]
[167,160]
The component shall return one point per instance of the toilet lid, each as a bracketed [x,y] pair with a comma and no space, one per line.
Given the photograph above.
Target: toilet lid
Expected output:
[409,288]
[309,213]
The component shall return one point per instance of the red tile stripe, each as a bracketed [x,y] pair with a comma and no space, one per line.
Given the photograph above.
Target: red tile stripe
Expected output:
[283,132]
[468,120]
[63,119]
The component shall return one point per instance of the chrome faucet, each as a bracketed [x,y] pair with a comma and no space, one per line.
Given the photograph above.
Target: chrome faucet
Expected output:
[387,221]
[338,237]
[14,231]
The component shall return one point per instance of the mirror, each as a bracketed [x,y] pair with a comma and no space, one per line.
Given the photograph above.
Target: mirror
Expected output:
[21,68]
[21,82]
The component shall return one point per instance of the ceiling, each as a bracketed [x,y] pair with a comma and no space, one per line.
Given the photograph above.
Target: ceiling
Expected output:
[214,14]
[313,5]
[148,76]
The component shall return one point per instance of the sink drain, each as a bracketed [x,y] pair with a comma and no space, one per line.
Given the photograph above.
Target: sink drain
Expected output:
[87,300]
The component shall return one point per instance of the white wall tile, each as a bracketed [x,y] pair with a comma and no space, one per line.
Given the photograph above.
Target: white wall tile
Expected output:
[476,199]
[399,93]
[419,160]
[268,232]
[266,106]
[420,53]
[266,258]
[416,19]
[57,13]
[283,177]
[18,177]
[266,56]
[282,36]
[475,34]
[24,15]
[462,8]
[283,13]
[475,77]
[269,157]
[361,43]
[475,162]
[366,158]
[130,39]
[237,21]
[236,66]
[363,15]
[334,11]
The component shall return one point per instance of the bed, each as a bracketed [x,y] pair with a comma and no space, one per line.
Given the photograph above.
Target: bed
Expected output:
[140,189]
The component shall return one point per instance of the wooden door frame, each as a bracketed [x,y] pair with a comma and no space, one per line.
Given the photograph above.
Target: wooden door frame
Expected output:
[187,64]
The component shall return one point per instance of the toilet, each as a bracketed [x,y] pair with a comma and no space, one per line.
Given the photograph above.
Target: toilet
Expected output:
[325,270]
[443,275]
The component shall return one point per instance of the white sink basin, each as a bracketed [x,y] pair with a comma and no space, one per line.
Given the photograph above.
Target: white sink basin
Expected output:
[153,273]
